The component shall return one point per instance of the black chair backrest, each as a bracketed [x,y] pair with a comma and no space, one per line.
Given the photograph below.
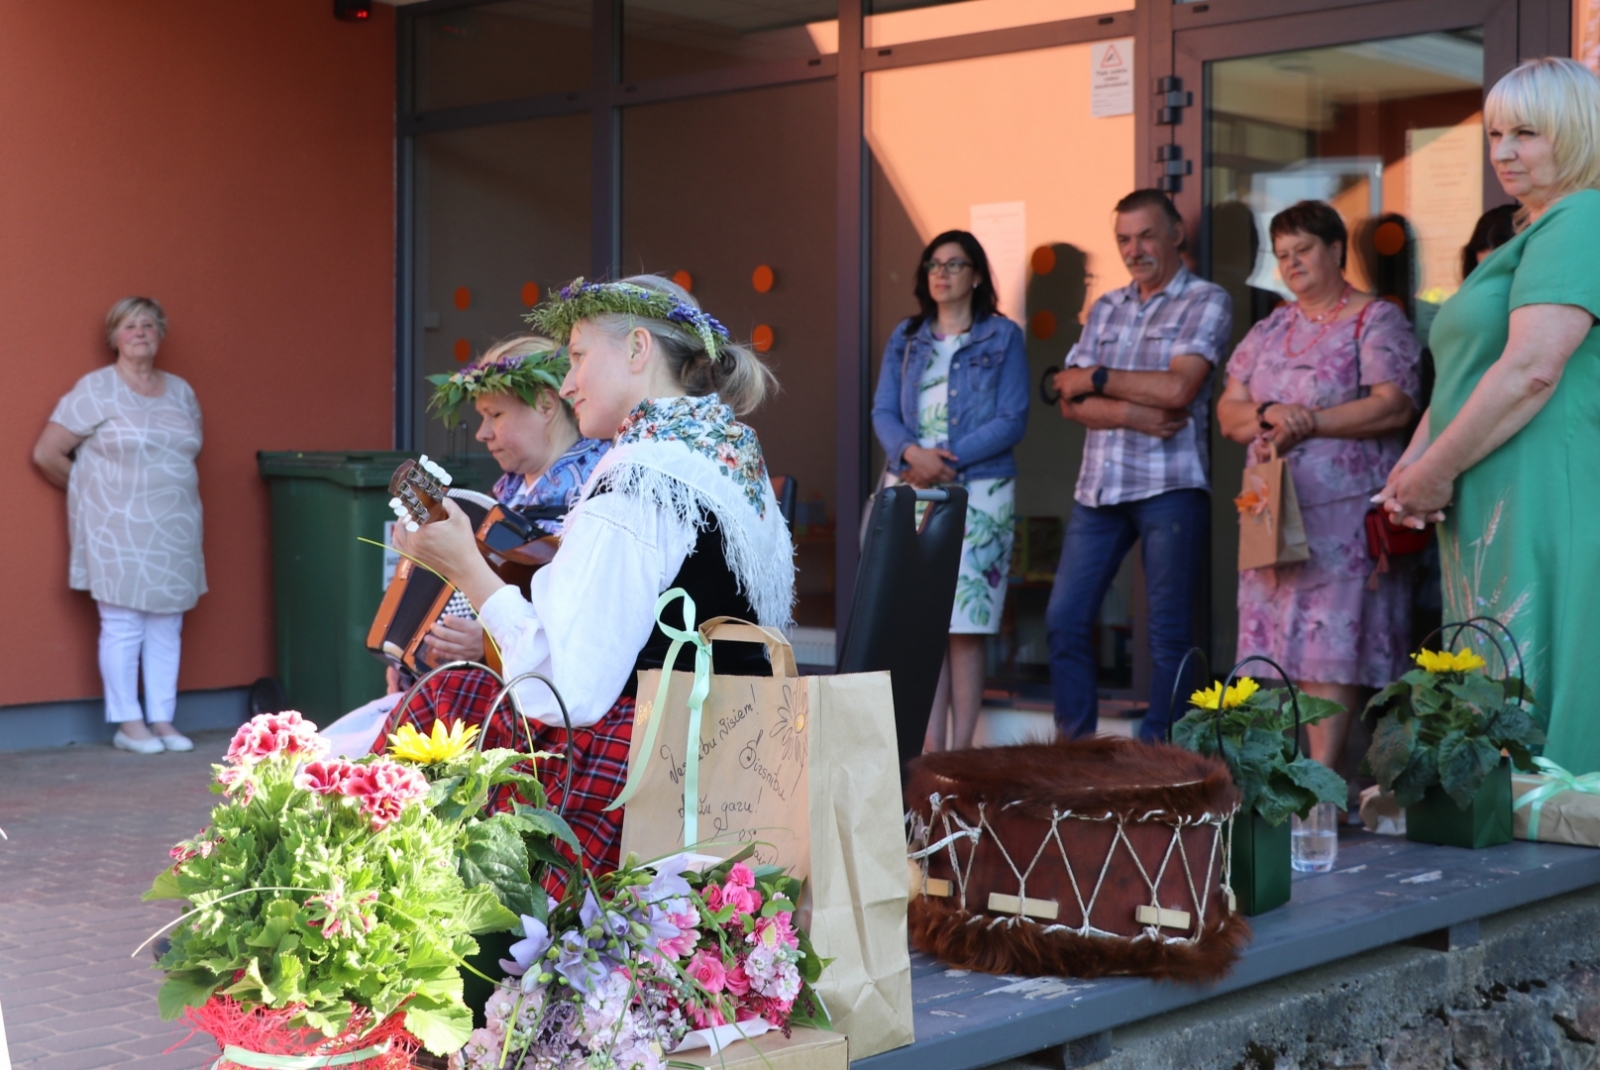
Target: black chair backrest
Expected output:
[786,491]
[905,589]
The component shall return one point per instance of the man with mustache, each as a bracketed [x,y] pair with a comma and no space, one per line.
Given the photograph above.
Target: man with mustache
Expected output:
[1139,380]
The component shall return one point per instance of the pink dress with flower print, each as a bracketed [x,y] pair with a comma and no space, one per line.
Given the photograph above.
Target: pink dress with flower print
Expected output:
[1318,619]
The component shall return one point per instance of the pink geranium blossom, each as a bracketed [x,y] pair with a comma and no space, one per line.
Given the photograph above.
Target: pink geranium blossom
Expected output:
[268,735]
[385,788]
[325,777]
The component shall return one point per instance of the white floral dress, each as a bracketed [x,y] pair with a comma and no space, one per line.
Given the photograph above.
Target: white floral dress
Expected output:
[991,524]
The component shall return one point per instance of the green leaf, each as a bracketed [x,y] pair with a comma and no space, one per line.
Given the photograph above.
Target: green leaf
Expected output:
[1314,709]
[1393,743]
[1464,763]
[482,912]
[1420,774]
[1279,797]
[1323,783]
[165,886]
[185,988]
[442,1030]
[491,853]
[547,823]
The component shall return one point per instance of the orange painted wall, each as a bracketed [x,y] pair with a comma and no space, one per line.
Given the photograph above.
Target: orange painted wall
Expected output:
[235,161]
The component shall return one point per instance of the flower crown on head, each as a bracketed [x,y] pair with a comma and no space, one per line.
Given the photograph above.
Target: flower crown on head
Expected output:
[580,300]
[525,375]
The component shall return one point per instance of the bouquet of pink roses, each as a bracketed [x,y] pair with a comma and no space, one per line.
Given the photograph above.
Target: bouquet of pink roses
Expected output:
[632,963]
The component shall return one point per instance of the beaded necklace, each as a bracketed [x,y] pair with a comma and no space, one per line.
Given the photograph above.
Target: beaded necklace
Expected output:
[1328,316]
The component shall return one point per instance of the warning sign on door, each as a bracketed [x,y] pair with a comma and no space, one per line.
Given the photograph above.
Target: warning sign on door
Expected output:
[1111,77]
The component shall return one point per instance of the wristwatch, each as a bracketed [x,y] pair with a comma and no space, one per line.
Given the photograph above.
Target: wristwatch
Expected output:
[1098,379]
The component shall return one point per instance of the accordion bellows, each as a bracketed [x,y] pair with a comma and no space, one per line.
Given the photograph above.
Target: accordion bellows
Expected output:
[1083,858]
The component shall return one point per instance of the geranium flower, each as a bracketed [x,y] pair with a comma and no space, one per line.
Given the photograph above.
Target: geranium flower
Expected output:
[236,780]
[1208,698]
[444,743]
[324,777]
[1442,661]
[253,743]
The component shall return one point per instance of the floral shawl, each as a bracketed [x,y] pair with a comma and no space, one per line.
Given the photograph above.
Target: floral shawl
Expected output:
[692,457]
[561,484]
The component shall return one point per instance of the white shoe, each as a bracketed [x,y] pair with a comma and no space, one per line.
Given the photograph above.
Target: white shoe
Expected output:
[175,740]
[153,745]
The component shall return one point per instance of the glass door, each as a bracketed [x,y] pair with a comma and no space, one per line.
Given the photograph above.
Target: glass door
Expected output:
[1380,116]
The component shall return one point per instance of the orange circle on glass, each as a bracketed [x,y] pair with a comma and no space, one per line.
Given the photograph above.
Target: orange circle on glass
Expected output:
[684,279]
[1044,260]
[530,294]
[1043,325]
[1389,238]
[463,298]
[761,338]
[463,351]
[762,279]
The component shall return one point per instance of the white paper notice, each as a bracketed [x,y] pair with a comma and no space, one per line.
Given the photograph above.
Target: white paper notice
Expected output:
[1002,230]
[1111,77]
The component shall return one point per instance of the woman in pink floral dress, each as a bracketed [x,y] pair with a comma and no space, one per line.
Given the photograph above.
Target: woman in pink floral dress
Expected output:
[1331,381]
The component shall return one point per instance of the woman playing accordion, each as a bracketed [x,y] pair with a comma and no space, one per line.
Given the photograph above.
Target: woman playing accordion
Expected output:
[681,500]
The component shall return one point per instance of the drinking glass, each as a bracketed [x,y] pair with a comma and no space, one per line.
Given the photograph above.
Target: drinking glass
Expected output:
[1314,839]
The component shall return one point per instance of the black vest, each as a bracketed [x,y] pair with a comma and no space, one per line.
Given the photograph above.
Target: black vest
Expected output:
[711,583]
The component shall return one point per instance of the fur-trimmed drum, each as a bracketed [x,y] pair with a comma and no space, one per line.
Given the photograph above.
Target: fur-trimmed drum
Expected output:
[1081,858]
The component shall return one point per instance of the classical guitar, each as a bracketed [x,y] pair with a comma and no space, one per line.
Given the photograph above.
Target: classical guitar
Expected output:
[511,541]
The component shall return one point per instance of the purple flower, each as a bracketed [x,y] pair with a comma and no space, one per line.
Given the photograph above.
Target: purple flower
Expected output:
[660,926]
[582,967]
[527,951]
[668,882]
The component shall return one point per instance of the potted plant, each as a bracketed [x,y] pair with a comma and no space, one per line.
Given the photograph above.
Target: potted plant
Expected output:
[1256,732]
[1438,743]
[333,902]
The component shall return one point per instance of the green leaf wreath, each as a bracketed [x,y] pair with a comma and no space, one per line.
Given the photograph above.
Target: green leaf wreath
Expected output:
[523,375]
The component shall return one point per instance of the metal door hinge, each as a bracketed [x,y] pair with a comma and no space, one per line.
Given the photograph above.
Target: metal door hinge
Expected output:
[1171,99]
[1173,168]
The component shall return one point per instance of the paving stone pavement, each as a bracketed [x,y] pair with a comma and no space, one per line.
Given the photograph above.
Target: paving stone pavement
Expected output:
[89,827]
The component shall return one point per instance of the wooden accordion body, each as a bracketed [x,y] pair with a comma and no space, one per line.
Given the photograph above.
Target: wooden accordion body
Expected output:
[1082,858]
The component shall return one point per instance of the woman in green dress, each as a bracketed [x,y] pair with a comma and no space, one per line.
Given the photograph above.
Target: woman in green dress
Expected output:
[1507,459]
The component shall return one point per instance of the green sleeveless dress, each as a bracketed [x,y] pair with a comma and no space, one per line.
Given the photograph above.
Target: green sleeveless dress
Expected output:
[1522,539]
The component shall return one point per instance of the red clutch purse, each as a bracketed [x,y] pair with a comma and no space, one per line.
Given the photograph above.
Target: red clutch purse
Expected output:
[1386,539]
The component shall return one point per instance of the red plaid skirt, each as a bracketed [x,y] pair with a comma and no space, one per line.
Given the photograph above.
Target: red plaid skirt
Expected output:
[598,755]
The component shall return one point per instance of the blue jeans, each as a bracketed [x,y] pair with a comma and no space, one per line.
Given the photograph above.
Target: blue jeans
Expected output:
[1173,528]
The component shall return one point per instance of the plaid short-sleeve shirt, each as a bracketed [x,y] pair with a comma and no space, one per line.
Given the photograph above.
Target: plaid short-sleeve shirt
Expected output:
[1190,317]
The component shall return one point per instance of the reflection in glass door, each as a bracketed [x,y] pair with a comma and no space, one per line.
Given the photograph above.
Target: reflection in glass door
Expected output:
[1390,132]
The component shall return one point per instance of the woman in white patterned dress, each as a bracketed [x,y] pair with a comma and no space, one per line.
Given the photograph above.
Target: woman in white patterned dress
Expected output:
[123,444]
[952,401]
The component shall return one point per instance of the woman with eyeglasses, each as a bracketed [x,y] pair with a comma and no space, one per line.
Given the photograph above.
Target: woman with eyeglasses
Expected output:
[952,401]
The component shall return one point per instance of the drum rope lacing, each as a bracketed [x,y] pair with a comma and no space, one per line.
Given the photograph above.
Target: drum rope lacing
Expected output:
[956,829]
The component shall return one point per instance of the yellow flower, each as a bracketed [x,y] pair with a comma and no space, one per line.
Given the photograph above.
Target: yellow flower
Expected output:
[445,743]
[1209,698]
[1440,661]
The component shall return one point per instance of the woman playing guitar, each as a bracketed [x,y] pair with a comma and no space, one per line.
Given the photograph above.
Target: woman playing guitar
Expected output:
[682,500]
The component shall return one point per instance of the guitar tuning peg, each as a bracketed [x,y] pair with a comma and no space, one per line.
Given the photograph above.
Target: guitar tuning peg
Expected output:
[422,459]
[445,477]
[411,525]
[394,503]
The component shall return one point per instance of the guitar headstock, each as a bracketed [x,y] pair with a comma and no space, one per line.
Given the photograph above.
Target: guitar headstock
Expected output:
[418,490]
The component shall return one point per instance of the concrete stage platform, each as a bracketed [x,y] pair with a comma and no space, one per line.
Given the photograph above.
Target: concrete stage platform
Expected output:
[1385,890]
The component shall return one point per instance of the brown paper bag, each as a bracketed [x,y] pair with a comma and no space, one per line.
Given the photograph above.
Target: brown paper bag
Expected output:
[807,769]
[1271,529]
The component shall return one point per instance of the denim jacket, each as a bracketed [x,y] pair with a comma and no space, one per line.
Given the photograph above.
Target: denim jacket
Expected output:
[988,396]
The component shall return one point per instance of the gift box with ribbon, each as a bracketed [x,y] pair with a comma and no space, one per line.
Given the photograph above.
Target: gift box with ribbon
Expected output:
[1556,807]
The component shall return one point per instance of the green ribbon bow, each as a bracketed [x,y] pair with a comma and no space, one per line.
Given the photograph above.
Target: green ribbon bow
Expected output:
[1560,780]
[261,1061]
[651,717]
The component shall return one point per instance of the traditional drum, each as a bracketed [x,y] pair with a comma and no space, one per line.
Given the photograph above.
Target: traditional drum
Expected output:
[1081,858]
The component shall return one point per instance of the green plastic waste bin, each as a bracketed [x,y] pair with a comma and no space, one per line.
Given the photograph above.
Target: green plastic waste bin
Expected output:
[326,583]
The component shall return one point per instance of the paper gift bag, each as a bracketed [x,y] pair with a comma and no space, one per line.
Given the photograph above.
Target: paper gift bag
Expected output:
[1271,530]
[1556,807]
[805,768]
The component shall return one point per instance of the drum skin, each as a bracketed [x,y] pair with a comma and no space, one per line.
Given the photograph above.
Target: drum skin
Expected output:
[1102,827]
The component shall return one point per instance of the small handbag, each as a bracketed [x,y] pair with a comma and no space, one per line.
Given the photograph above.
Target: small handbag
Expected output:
[1385,538]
